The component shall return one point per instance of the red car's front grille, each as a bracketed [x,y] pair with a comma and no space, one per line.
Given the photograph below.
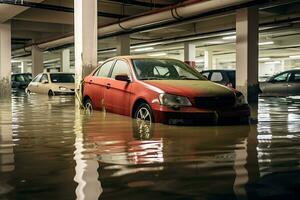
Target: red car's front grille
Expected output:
[215,102]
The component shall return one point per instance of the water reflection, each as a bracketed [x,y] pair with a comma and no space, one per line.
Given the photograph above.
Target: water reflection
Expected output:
[86,166]
[169,157]
[6,146]
[51,151]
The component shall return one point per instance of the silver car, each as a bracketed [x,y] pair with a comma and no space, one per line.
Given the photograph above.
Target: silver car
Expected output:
[52,84]
[284,84]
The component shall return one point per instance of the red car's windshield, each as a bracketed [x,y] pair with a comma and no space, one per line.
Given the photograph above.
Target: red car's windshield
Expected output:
[164,69]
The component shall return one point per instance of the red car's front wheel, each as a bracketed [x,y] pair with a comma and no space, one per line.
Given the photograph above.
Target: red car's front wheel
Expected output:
[88,105]
[144,113]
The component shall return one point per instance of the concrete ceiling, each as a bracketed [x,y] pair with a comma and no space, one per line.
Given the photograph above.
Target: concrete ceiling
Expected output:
[36,24]
[40,19]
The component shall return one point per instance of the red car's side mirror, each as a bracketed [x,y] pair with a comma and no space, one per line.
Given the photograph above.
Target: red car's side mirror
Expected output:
[122,77]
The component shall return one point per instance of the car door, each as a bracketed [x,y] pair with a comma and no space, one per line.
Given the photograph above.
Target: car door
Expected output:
[117,93]
[33,86]
[277,86]
[97,84]
[294,84]
[43,84]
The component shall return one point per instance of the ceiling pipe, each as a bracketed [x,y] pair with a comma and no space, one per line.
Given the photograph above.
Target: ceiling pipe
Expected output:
[264,28]
[172,13]
[169,14]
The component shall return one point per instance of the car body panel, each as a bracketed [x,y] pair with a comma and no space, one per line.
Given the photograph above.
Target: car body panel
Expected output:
[190,88]
[274,89]
[294,83]
[293,89]
[117,97]
[95,88]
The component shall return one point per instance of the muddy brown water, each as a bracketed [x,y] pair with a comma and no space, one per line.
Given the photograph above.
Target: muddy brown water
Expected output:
[48,150]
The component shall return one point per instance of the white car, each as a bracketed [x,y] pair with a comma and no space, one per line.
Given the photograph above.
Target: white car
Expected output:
[57,83]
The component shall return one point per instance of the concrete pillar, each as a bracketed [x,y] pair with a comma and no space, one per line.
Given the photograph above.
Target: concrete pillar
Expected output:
[26,68]
[37,61]
[5,58]
[123,45]
[65,61]
[190,54]
[85,25]
[247,53]
[282,65]
[208,60]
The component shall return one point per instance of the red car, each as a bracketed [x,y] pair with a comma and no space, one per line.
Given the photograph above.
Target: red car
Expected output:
[160,90]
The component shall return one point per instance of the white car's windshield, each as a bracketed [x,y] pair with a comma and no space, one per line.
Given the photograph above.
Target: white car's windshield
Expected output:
[164,69]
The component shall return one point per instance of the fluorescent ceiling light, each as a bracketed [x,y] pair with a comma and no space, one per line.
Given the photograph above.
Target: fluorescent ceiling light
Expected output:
[265,43]
[108,51]
[232,37]
[295,56]
[145,45]
[144,49]
[52,60]
[228,33]
[15,61]
[264,59]
[273,62]
[214,42]
[158,54]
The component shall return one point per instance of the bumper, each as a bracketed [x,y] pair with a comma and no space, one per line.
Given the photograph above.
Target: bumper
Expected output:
[64,92]
[192,115]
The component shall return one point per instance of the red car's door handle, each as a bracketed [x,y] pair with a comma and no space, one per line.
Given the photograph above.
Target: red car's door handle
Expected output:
[108,85]
[90,81]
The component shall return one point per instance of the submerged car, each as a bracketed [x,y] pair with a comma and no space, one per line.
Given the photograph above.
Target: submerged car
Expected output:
[224,77]
[52,84]
[20,80]
[160,90]
[286,83]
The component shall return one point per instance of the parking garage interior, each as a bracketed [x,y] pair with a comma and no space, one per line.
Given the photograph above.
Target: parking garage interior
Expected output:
[51,147]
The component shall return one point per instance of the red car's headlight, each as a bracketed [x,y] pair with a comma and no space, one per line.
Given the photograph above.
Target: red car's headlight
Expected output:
[174,100]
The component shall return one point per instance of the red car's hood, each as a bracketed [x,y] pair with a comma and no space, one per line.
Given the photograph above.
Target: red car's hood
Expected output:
[191,88]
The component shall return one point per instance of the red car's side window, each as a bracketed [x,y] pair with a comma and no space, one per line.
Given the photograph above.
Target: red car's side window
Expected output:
[121,67]
[104,70]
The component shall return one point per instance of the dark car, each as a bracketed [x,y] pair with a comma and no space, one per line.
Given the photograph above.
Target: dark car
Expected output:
[224,77]
[286,83]
[20,80]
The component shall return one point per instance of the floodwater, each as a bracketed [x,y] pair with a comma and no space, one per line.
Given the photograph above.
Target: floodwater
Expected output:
[50,151]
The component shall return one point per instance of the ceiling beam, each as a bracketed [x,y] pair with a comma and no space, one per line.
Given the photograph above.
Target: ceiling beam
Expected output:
[29,4]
